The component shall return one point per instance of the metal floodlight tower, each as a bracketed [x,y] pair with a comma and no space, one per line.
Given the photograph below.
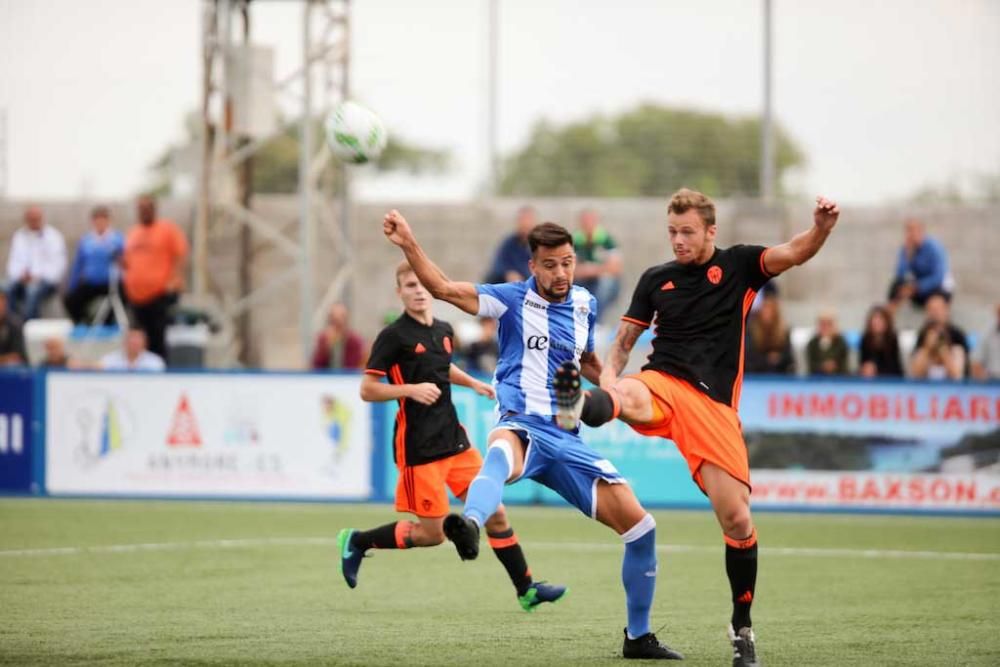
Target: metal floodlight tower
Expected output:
[231,136]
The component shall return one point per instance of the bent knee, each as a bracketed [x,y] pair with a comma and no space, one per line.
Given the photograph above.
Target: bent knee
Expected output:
[737,522]
[498,522]
[636,400]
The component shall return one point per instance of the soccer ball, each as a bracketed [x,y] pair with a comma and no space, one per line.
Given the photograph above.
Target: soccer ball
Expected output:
[355,134]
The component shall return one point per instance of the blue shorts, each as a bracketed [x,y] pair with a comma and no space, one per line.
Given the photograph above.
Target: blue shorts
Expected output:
[561,461]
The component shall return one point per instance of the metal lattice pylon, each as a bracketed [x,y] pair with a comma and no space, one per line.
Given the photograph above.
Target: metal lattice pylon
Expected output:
[223,183]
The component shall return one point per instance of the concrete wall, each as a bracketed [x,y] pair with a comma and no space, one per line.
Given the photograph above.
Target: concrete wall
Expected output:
[851,272]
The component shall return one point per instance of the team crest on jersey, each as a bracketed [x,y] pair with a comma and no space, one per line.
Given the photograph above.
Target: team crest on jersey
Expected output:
[581,313]
[714,275]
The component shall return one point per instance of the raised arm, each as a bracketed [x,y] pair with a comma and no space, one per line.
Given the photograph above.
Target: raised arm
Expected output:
[803,246]
[617,359]
[463,295]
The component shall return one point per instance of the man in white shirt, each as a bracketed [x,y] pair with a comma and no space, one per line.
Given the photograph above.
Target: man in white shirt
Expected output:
[36,264]
[133,356]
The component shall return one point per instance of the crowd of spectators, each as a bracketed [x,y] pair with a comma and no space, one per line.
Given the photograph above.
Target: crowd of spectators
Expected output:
[922,281]
[144,268]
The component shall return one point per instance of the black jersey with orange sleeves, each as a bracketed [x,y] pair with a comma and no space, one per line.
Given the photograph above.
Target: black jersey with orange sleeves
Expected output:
[409,352]
[700,315]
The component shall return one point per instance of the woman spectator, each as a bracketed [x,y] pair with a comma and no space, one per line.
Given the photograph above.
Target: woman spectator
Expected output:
[769,345]
[880,346]
[938,356]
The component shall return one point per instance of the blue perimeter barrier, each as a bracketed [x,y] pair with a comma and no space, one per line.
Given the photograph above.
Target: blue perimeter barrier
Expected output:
[927,447]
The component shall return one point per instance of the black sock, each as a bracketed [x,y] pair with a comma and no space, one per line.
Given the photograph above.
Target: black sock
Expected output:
[598,408]
[741,566]
[509,553]
[383,537]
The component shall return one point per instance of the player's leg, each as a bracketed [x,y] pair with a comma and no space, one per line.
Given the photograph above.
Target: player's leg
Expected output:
[619,509]
[504,460]
[629,400]
[591,483]
[419,491]
[500,533]
[508,551]
[730,499]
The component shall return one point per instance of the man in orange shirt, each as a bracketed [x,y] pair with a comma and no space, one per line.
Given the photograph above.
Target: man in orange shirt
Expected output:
[155,250]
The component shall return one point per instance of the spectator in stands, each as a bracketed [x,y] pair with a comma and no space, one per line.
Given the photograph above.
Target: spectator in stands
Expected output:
[337,345]
[768,341]
[510,263]
[155,251]
[134,355]
[481,355]
[12,352]
[55,353]
[598,262]
[91,273]
[921,269]
[880,355]
[36,264]
[948,347]
[986,358]
[826,353]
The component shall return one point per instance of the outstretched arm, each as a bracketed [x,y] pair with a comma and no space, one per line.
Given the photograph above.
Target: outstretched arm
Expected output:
[803,246]
[617,359]
[463,295]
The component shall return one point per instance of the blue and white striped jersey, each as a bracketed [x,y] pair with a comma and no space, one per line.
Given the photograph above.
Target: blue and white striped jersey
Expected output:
[535,338]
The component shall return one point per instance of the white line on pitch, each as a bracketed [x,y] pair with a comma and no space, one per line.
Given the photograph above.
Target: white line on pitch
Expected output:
[245,543]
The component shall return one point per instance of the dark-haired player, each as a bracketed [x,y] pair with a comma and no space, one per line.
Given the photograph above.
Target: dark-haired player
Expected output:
[544,322]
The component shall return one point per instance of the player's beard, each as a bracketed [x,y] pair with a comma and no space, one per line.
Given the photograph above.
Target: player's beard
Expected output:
[549,293]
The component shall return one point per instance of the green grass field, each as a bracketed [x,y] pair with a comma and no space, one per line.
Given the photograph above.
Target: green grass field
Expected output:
[223,583]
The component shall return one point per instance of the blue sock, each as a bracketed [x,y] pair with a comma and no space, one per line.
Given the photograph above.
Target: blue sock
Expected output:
[486,490]
[639,574]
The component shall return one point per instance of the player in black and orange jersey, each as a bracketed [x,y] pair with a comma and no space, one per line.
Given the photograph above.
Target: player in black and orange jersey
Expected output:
[430,447]
[689,390]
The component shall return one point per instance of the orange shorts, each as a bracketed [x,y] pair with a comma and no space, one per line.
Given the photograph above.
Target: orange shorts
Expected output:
[703,429]
[421,491]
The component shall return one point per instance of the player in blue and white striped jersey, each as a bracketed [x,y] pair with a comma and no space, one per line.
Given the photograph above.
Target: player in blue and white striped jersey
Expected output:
[544,322]
[535,337]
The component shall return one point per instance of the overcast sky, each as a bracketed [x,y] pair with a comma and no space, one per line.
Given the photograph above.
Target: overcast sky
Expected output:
[884,97]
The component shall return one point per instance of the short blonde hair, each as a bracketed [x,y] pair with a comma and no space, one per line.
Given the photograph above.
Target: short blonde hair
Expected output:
[402,269]
[684,199]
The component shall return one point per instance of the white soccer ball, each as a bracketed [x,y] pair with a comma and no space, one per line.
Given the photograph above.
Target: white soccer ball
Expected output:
[355,134]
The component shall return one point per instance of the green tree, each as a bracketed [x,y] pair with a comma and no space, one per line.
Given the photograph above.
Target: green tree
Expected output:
[648,151]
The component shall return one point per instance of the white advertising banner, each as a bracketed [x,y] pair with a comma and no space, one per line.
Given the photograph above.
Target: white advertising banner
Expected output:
[226,435]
